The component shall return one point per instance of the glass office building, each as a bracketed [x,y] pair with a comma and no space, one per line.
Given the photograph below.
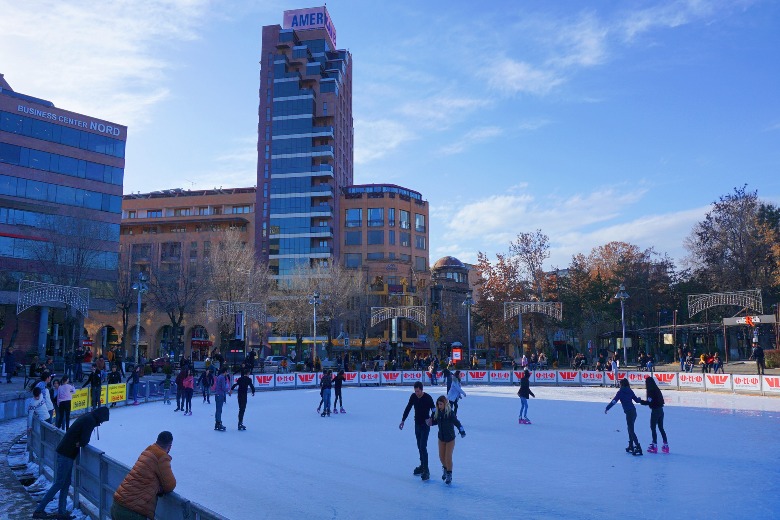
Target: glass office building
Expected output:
[305,141]
[61,177]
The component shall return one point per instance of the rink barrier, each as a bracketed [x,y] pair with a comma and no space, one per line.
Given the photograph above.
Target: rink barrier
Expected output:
[96,476]
[766,385]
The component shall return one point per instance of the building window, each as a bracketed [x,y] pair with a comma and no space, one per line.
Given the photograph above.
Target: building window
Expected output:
[353,260]
[325,108]
[420,263]
[354,217]
[375,238]
[193,245]
[178,229]
[150,230]
[182,212]
[419,223]
[353,238]
[376,217]
[391,237]
[391,217]
[241,209]
[216,210]
[153,213]
[405,258]
[419,242]
[406,239]
[375,257]
[131,214]
[404,221]
[203,210]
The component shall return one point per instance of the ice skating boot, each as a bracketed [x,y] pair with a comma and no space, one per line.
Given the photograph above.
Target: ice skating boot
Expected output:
[417,471]
[653,448]
[319,409]
[335,410]
[526,421]
[323,414]
[443,473]
[219,427]
[630,448]
[425,475]
[328,412]
[343,410]
[519,420]
[448,480]
[638,450]
[665,448]
[241,427]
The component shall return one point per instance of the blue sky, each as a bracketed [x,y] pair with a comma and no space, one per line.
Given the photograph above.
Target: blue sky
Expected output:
[594,121]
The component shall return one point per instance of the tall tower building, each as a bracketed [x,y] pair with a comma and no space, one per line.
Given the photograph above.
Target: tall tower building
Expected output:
[305,141]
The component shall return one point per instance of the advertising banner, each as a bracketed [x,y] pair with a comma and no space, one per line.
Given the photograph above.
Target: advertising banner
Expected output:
[304,379]
[748,383]
[80,399]
[500,376]
[369,378]
[568,377]
[717,381]
[771,384]
[411,377]
[117,393]
[688,380]
[637,378]
[351,378]
[439,375]
[592,377]
[264,381]
[391,378]
[286,380]
[541,377]
[666,379]
[477,376]
[610,377]
[517,375]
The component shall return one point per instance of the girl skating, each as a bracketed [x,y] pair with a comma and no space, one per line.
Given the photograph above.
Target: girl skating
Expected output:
[189,389]
[523,394]
[655,400]
[455,391]
[627,399]
[447,421]
[337,382]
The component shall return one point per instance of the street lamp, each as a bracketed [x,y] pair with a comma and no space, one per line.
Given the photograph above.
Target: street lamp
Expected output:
[468,303]
[314,300]
[622,295]
[141,286]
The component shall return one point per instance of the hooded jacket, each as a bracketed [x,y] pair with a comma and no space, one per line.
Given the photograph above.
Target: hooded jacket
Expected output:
[80,432]
[151,474]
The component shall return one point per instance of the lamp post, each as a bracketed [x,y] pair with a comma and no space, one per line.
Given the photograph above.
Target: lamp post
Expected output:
[622,295]
[468,303]
[314,300]
[141,286]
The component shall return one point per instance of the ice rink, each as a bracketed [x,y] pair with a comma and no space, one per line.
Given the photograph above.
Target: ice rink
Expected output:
[570,463]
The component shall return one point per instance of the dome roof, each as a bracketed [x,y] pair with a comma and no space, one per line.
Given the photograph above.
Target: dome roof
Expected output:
[448,262]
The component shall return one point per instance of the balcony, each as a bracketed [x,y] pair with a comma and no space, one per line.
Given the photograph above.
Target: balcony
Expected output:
[322,209]
[322,131]
[321,230]
[320,151]
[323,189]
[322,250]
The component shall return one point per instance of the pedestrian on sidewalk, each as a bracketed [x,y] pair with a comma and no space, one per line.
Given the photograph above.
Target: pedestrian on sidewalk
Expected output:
[758,355]
[423,404]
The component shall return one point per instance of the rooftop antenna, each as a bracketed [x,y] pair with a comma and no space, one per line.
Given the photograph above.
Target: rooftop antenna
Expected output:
[192,184]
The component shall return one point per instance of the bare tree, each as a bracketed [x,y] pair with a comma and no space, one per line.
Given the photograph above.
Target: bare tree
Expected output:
[124,297]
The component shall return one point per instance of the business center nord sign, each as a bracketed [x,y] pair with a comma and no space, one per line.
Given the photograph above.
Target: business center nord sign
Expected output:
[312,18]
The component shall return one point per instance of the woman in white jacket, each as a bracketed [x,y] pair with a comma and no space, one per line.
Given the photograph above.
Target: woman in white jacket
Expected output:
[36,405]
[43,384]
[455,392]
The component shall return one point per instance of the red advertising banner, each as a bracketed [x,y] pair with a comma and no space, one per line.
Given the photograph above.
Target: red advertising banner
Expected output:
[688,380]
[500,376]
[391,378]
[568,377]
[666,379]
[264,381]
[285,380]
[477,376]
[771,384]
[717,381]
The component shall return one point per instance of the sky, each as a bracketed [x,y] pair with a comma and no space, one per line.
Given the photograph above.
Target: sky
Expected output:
[593,122]
[570,463]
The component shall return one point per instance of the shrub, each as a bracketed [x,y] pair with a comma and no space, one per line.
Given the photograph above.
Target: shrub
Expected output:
[772,358]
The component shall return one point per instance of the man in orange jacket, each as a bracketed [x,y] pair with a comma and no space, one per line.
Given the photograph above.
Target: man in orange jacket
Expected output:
[151,476]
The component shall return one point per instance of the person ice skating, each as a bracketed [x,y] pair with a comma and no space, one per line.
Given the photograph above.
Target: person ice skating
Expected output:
[243,384]
[64,395]
[523,393]
[447,421]
[758,355]
[95,386]
[221,391]
[627,399]
[114,378]
[151,476]
[338,381]
[423,404]
[74,439]
[189,388]
[133,379]
[180,390]
[655,400]
[206,381]
[455,391]
[615,369]
[166,384]
[325,386]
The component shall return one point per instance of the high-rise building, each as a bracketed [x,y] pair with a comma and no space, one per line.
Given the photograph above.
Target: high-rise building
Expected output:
[60,206]
[305,141]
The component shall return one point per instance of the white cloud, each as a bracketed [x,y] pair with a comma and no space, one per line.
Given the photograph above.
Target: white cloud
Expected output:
[510,76]
[472,137]
[95,57]
[374,139]
[440,111]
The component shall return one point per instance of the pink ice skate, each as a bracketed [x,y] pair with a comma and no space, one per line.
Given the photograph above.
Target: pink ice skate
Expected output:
[665,448]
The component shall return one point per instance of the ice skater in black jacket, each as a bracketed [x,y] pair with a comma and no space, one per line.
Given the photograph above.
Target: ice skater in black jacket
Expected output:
[337,382]
[244,383]
[655,400]
[627,399]
[524,393]
[423,404]
[445,417]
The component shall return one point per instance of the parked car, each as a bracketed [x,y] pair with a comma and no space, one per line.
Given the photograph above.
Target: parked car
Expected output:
[157,364]
[277,360]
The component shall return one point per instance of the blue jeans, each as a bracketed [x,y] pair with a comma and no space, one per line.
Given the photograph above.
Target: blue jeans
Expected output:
[421,432]
[523,407]
[219,399]
[135,392]
[326,399]
[61,483]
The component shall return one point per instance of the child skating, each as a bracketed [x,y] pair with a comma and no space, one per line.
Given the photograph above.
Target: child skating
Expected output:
[447,421]
[337,382]
[523,394]
[627,399]
[244,384]
[655,400]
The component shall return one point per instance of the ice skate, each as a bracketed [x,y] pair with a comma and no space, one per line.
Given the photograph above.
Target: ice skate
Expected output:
[323,414]
[343,410]
[177,409]
[417,471]
[638,450]
[665,448]
[653,448]
[519,420]
[335,410]
[526,421]
[318,409]
[448,479]
[425,475]
[443,473]
[241,427]
[219,427]
[630,448]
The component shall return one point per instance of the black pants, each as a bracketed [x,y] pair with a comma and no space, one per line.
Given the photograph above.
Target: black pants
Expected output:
[96,396]
[455,406]
[63,415]
[421,432]
[188,399]
[241,407]
[630,420]
[338,399]
[179,397]
[657,419]
[760,366]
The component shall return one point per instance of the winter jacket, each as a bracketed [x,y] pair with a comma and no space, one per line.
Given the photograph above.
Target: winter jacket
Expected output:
[627,398]
[36,407]
[243,384]
[422,407]
[206,379]
[338,381]
[326,382]
[525,388]
[189,382]
[135,376]
[80,432]
[45,395]
[447,424]
[114,378]
[93,380]
[65,392]
[151,474]
[222,385]
[455,392]
[180,379]
[655,399]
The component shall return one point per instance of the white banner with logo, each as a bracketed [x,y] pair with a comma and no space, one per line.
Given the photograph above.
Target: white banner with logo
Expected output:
[478,376]
[568,377]
[391,378]
[264,381]
[411,377]
[666,379]
[351,378]
[771,384]
[541,377]
[610,377]
[500,376]
[369,378]
[746,383]
[637,379]
[717,381]
[305,379]
[690,380]
[285,380]
[592,377]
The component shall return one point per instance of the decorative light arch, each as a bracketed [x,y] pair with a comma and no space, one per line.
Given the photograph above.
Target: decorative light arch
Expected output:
[551,309]
[416,313]
[749,300]
[33,293]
